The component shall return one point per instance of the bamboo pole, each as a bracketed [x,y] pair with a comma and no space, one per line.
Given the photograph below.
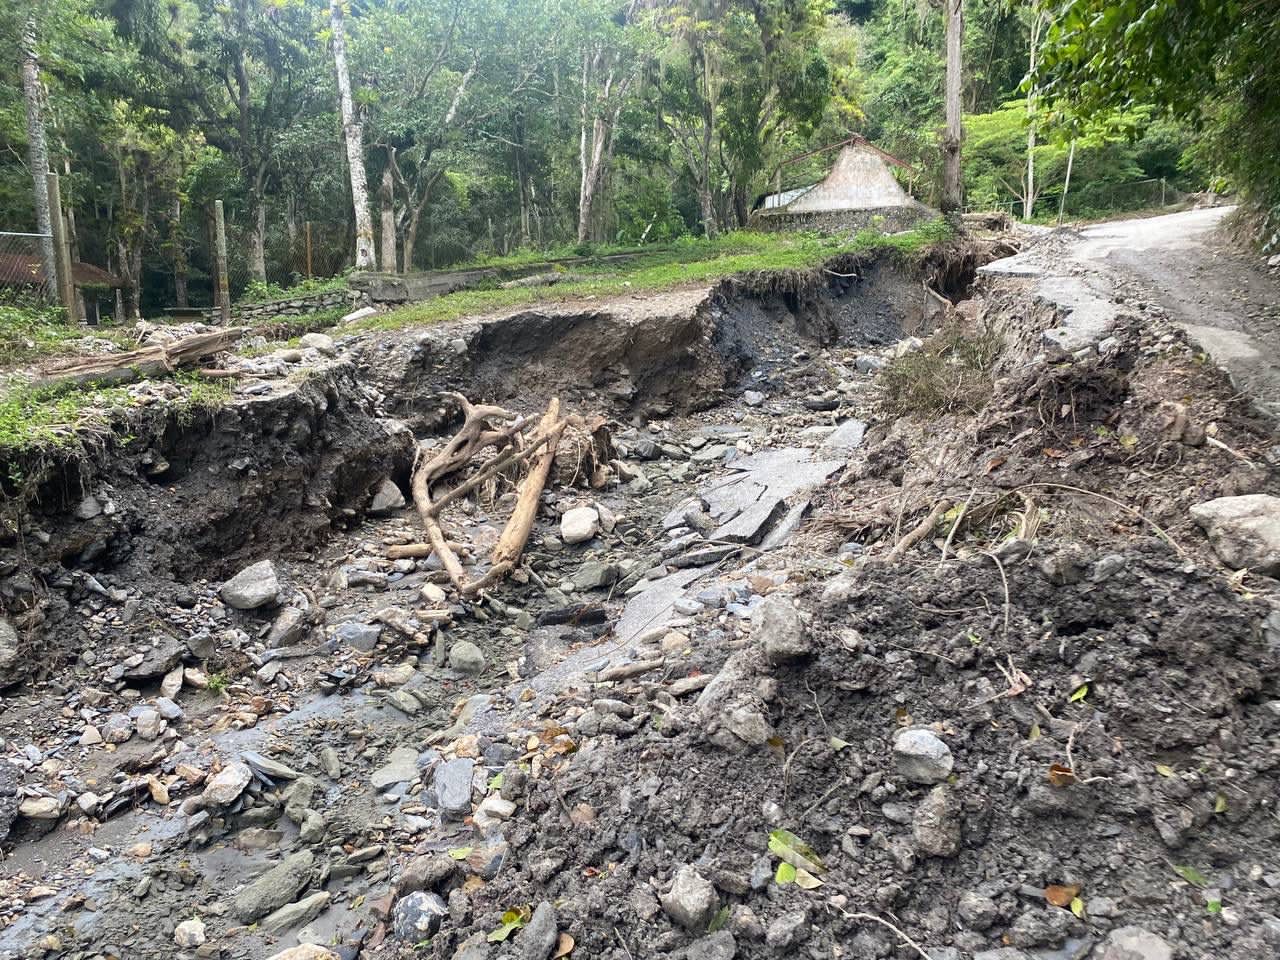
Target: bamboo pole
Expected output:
[308,233]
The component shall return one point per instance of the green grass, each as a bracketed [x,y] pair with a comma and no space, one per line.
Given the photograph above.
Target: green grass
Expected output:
[260,292]
[689,261]
[34,333]
[40,418]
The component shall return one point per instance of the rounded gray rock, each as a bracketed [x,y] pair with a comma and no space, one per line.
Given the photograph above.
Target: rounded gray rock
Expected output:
[418,916]
[921,757]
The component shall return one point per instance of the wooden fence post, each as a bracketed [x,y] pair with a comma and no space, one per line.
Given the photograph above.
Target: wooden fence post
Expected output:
[308,233]
[62,250]
[224,288]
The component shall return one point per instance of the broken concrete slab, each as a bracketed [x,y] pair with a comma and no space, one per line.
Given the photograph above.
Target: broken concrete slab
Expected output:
[653,607]
[844,439]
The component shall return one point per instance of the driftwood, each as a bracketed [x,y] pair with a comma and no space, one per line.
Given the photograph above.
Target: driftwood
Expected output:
[136,364]
[517,443]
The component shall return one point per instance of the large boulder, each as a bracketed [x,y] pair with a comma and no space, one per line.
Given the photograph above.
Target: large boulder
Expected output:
[254,586]
[1244,531]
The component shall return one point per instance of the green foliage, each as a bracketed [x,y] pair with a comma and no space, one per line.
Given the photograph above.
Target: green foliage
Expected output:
[40,418]
[1212,64]
[258,291]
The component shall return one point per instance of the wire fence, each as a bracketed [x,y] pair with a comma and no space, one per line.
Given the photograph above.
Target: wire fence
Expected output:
[309,250]
[1090,199]
[23,277]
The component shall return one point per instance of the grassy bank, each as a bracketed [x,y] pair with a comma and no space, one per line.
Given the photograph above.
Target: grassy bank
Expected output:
[693,261]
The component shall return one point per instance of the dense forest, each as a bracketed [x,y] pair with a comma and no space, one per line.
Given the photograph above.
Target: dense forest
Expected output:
[481,127]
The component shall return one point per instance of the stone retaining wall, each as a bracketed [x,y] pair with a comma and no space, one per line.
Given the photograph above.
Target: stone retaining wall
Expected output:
[255,314]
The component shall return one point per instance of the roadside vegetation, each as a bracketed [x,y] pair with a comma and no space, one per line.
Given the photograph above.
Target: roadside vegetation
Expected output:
[693,260]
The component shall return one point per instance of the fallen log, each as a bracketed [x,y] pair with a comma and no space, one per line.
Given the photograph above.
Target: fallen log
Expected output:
[513,449]
[151,361]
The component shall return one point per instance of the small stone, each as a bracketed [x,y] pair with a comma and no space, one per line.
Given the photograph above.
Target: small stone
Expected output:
[401,767]
[936,824]
[692,900]
[921,757]
[189,933]
[252,587]
[388,498]
[149,724]
[273,889]
[313,827]
[172,683]
[295,914]
[539,937]
[1244,531]
[117,728]
[1134,943]
[777,626]
[288,628]
[978,912]
[466,657]
[358,636]
[579,525]
[305,951]
[453,787]
[753,398]
[226,785]
[88,508]
[787,931]
[418,916]
[90,737]
[40,808]
[320,342]
[428,872]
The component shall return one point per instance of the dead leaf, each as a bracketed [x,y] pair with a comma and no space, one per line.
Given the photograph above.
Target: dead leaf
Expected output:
[1061,776]
[564,946]
[995,463]
[1061,896]
[582,814]
[1165,770]
[1054,453]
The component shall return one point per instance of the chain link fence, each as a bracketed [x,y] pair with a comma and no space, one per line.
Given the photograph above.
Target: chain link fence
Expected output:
[23,277]
[309,250]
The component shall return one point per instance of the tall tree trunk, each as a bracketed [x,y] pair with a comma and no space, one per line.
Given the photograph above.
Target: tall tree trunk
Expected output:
[37,149]
[179,254]
[522,179]
[952,176]
[1066,184]
[354,136]
[1029,198]
[707,205]
[410,238]
[257,234]
[386,198]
